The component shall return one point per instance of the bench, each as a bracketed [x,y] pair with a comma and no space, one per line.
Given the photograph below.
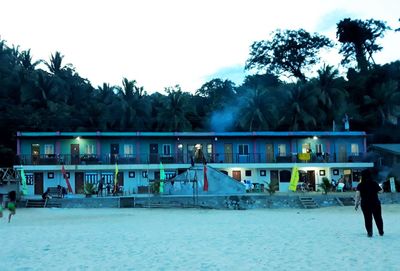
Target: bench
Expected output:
[54,192]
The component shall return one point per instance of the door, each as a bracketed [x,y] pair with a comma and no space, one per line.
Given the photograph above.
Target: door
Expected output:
[120,179]
[38,179]
[79,183]
[311,179]
[270,153]
[114,152]
[75,154]
[35,151]
[342,153]
[228,153]
[274,178]
[236,174]
[153,153]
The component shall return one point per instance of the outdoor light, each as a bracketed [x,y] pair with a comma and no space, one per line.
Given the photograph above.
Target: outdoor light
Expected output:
[198,146]
[315,137]
[78,138]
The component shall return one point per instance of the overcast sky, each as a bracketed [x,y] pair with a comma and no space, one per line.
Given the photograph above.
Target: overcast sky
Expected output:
[161,43]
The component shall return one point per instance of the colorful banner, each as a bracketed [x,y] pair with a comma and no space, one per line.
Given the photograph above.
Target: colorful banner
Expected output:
[205,187]
[66,179]
[23,179]
[162,178]
[304,156]
[294,179]
[116,178]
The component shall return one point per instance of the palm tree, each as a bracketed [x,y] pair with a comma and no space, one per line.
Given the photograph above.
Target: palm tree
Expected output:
[383,103]
[332,95]
[55,65]
[172,116]
[134,104]
[300,108]
[259,111]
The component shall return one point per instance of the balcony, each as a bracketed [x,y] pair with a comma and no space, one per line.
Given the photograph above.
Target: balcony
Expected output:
[146,158]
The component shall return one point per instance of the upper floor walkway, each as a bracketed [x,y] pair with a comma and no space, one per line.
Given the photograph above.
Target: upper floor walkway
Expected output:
[228,158]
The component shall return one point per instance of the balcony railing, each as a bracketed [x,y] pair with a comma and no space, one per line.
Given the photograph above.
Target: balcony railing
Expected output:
[146,158]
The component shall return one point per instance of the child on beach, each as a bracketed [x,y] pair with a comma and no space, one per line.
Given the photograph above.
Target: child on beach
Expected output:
[11,205]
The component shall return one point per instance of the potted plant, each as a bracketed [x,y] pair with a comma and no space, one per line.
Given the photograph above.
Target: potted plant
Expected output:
[89,189]
[326,185]
[271,187]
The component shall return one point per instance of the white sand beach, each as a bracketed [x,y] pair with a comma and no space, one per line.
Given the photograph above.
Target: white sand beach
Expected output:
[192,239]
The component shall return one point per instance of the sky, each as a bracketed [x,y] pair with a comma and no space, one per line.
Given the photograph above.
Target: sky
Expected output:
[162,43]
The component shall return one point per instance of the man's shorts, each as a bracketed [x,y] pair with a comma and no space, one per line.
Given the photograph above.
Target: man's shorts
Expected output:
[11,206]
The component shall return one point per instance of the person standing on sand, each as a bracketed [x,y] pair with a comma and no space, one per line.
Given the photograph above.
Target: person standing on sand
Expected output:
[367,194]
[11,205]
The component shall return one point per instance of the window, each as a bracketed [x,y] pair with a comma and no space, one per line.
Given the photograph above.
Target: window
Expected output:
[29,178]
[305,148]
[318,148]
[48,149]
[209,148]
[169,175]
[263,172]
[281,150]
[89,149]
[91,177]
[247,173]
[108,177]
[166,148]
[128,149]
[354,150]
[243,149]
[131,174]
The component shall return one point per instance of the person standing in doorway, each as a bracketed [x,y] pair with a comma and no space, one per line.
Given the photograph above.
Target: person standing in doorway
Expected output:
[367,195]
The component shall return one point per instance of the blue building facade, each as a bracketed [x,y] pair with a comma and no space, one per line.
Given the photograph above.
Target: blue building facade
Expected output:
[258,157]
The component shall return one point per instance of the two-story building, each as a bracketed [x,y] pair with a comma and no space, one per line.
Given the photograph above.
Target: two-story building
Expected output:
[259,157]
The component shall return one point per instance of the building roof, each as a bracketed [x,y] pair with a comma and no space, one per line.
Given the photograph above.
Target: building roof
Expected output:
[390,148]
[193,134]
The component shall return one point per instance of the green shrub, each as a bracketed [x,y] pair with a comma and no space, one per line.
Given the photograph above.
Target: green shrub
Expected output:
[271,187]
[326,185]
[89,189]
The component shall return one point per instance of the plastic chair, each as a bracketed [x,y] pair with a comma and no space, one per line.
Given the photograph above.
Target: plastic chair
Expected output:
[340,187]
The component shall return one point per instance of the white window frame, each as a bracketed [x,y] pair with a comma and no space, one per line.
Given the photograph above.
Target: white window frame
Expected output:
[243,149]
[128,149]
[305,148]
[49,149]
[282,150]
[166,150]
[89,149]
[319,148]
[355,151]
[209,148]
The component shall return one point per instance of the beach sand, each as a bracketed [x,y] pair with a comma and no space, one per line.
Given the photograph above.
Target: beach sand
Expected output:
[330,238]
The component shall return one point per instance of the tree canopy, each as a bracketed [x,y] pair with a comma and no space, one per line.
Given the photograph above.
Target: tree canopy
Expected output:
[289,52]
[54,97]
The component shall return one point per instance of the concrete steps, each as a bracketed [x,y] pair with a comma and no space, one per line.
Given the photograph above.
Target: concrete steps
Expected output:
[308,202]
[41,203]
[35,203]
